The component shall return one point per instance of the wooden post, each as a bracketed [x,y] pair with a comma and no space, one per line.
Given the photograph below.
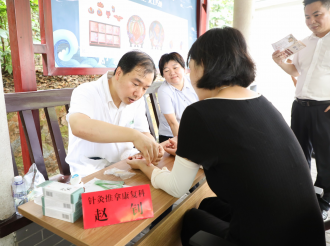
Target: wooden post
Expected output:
[243,14]
[6,167]
[202,17]
[42,34]
[22,53]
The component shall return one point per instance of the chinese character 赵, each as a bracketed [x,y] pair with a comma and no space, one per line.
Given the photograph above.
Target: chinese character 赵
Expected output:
[108,198]
[101,215]
[101,199]
[117,196]
[141,193]
[137,208]
[125,195]
[91,200]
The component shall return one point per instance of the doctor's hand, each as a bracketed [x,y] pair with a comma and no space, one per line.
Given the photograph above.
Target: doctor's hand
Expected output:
[327,109]
[136,161]
[171,146]
[160,154]
[147,146]
[279,57]
[140,156]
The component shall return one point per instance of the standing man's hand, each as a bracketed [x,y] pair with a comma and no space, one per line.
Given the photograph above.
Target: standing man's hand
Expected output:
[327,109]
[147,146]
[279,57]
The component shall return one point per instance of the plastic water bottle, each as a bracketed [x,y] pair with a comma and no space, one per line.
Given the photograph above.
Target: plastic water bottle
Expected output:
[19,192]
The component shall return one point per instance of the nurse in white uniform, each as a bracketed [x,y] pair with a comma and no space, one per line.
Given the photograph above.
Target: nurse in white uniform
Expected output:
[174,95]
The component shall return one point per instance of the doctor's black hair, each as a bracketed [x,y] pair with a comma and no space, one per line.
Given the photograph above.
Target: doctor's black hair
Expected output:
[325,3]
[139,59]
[222,52]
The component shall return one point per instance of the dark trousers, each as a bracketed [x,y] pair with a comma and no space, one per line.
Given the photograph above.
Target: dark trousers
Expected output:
[311,125]
[212,216]
[163,138]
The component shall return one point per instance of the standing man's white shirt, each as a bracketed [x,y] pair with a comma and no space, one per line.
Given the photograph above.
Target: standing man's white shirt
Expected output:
[94,100]
[313,65]
[173,101]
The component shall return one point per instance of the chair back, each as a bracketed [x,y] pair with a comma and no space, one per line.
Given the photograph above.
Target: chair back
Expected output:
[25,103]
[151,99]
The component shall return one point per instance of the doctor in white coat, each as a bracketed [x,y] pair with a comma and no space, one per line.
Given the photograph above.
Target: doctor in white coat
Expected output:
[107,117]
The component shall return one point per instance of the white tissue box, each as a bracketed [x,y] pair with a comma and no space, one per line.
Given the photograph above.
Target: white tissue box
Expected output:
[59,205]
[62,215]
[61,192]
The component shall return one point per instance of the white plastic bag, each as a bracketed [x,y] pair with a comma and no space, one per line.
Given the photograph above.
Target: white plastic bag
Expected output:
[32,179]
[119,173]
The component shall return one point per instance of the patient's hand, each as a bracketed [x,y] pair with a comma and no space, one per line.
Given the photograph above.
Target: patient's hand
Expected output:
[159,157]
[136,161]
[171,146]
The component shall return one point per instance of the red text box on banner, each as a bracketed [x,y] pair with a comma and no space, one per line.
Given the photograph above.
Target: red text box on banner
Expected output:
[116,206]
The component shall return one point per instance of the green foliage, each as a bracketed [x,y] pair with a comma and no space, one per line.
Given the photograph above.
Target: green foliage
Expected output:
[10,115]
[5,52]
[35,21]
[6,60]
[221,13]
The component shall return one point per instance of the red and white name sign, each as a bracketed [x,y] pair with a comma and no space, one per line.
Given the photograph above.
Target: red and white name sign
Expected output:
[110,207]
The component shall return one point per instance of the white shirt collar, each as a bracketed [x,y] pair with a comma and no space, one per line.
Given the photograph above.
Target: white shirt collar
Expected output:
[107,93]
[106,88]
[314,36]
[186,84]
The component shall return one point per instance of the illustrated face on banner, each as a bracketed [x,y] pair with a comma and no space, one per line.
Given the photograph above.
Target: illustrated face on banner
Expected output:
[98,33]
[156,35]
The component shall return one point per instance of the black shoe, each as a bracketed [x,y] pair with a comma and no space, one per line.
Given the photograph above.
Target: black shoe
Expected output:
[324,214]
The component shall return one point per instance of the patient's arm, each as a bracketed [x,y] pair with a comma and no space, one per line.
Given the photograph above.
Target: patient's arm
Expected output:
[176,183]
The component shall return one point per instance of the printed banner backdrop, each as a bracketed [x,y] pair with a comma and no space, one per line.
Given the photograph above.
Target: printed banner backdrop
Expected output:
[96,34]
